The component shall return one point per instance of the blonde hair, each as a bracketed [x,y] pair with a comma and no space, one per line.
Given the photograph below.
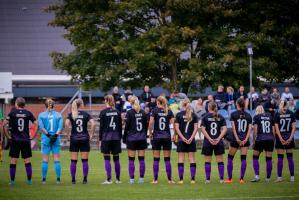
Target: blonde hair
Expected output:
[162,101]
[135,103]
[187,106]
[75,105]
[213,107]
[259,110]
[282,105]
[109,100]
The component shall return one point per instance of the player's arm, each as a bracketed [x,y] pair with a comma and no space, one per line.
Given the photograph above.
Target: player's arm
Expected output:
[223,131]
[68,127]
[177,130]
[248,133]
[102,124]
[150,127]
[42,128]
[195,131]
[206,135]
[5,129]
[235,132]
[171,121]
[126,129]
[92,127]
[278,132]
[60,125]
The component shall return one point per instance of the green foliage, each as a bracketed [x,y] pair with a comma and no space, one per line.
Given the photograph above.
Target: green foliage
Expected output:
[137,42]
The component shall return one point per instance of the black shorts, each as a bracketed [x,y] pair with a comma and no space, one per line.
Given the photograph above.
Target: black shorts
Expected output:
[137,145]
[236,145]
[20,146]
[159,144]
[111,147]
[79,145]
[186,148]
[208,148]
[267,145]
[278,145]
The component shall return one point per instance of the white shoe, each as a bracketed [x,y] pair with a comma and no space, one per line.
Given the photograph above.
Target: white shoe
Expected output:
[278,180]
[221,181]
[292,179]
[207,182]
[268,180]
[141,180]
[131,181]
[107,182]
[117,182]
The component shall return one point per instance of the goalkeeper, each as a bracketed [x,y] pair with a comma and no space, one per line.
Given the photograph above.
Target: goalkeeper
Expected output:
[50,124]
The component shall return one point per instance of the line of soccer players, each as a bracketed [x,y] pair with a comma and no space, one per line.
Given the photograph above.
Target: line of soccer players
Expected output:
[137,125]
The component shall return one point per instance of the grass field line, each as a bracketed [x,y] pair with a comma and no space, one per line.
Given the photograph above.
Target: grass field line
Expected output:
[254,197]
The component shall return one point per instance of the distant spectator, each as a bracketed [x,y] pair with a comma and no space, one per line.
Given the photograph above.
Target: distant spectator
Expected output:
[243,95]
[172,99]
[230,97]
[275,95]
[292,105]
[271,107]
[287,95]
[220,97]
[198,108]
[127,105]
[117,98]
[297,110]
[255,97]
[206,102]
[128,92]
[179,97]
[152,104]
[146,95]
[264,97]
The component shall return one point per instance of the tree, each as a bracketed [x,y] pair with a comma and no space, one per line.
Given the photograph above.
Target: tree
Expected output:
[175,43]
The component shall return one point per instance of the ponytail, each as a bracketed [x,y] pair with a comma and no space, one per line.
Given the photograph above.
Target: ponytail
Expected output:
[135,103]
[241,103]
[186,104]
[49,103]
[213,108]
[75,105]
[109,100]
[162,100]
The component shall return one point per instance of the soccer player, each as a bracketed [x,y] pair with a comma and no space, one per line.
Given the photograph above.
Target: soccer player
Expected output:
[241,127]
[110,134]
[18,122]
[214,129]
[78,121]
[135,137]
[186,126]
[285,126]
[264,140]
[51,125]
[160,136]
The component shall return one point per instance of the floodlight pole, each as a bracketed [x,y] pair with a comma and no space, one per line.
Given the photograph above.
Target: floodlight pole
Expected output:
[250,54]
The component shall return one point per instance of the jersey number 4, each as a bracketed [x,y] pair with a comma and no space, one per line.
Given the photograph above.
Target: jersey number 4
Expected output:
[112,123]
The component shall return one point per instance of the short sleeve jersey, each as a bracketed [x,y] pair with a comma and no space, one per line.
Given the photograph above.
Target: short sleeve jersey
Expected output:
[284,122]
[186,127]
[241,120]
[19,121]
[264,124]
[213,124]
[79,125]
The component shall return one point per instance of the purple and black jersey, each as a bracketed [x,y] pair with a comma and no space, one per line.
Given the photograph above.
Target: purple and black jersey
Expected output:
[136,126]
[213,125]
[110,125]
[241,120]
[19,120]
[284,122]
[79,126]
[264,124]
[185,127]
[162,122]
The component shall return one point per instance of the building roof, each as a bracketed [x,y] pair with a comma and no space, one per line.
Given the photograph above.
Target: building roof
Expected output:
[26,39]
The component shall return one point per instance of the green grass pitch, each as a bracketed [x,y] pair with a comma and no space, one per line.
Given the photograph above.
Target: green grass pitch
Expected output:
[94,189]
